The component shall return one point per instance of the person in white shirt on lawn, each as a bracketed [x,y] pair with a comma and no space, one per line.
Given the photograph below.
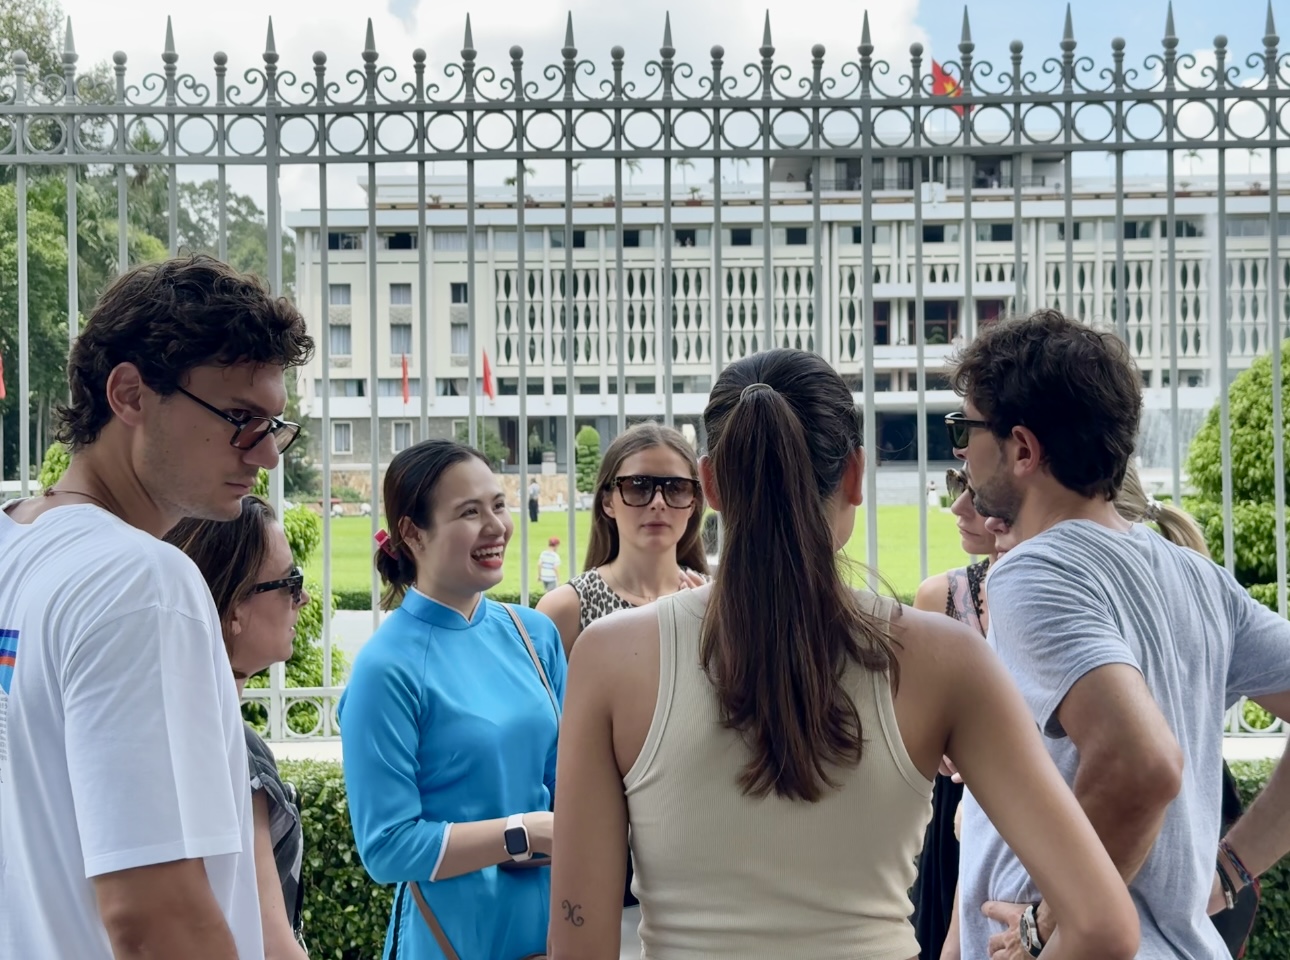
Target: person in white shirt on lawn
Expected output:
[549,565]
[125,806]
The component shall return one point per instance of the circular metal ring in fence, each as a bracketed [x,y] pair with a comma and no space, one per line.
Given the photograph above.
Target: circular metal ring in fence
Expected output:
[1093,123]
[790,129]
[544,131]
[893,127]
[593,130]
[496,131]
[1144,122]
[642,130]
[196,136]
[445,133]
[245,136]
[1041,123]
[395,125]
[840,129]
[298,136]
[692,129]
[302,716]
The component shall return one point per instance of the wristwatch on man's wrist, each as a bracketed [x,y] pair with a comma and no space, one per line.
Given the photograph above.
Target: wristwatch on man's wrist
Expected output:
[516,838]
[1028,931]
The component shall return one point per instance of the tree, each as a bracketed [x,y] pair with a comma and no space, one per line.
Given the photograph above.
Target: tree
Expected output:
[633,167]
[490,442]
[46,308]
[684,164]
[1253,478]
[299,475]
[587,458]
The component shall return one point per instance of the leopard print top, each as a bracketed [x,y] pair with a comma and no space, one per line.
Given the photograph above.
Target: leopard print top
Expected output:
[597,599]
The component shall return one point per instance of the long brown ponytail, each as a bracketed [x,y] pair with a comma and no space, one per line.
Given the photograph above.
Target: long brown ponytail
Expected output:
[782,625]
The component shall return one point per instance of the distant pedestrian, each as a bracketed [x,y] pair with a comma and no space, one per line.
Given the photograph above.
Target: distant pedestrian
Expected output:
[549,565]
[535,492]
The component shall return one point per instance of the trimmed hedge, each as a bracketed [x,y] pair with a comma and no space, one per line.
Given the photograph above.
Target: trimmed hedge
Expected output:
[362,599]
[345,914]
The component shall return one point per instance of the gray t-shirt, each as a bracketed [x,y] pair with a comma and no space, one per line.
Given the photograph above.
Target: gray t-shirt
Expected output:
[1081,596]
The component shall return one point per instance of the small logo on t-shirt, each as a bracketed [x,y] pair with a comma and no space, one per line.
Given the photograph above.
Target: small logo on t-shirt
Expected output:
[8,658]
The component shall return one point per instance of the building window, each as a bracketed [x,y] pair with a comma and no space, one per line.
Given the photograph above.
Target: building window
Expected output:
[1055,231]
[557,239]
[344,241]
[1189,228]
[507,239]
[631,238]
[940,233]
[342,388]
[454,241]
[402,435]
[341,339]
[994,233]
[393,387]
[988,311]
[400,339]
[1252,226]
[342,438]
[400,241]
[684,238]
[741,237]
[400,294]
[1133,229]
[881,233]
[338,295]
[940,321]
[459,292]
[460,339]
[882,322]
[796,236]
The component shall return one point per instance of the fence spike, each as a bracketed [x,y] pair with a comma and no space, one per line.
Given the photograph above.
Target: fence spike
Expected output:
[169,52]
[667,30]
[966,36]
[69,44]
[568,31]
[765,33]
[1270,28]
[864,33]
[1170,33]
[369,42]
[468,43]
[1068,31]
[269,46]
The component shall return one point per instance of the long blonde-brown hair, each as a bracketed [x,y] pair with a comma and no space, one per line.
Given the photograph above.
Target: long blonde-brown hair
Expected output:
[603,546]
[1174,523]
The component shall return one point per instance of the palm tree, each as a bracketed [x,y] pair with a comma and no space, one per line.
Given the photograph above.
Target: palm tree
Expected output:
[1191,156]
[633,166]
[529,173]
[1253,152]
[683,164]
[740,162]
[576,167]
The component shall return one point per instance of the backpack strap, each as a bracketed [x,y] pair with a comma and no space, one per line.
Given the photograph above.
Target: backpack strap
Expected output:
[533,655]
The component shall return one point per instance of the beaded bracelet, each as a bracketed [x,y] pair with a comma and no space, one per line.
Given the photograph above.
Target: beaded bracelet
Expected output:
[1241,872]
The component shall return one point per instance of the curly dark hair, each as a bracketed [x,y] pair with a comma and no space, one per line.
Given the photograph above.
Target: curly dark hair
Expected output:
[167,318]
[1075,387]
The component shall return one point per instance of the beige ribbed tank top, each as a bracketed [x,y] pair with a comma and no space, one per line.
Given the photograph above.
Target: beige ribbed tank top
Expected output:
[723,875]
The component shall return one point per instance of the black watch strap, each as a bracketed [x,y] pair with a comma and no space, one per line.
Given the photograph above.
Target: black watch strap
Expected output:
[1028,931]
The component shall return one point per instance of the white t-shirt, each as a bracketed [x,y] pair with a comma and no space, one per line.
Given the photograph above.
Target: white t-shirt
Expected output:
[121,740]
[548,564]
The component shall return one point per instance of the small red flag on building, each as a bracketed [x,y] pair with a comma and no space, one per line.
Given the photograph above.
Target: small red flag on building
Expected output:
[490,385]
[405,380]
[2,393]
[943,85]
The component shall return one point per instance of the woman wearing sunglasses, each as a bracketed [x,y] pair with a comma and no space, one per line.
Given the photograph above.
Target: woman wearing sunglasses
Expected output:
[259,592]
[958,593]
[645,531]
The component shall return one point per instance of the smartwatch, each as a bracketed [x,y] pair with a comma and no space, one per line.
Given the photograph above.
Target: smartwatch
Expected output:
[1028,931]
[516,838]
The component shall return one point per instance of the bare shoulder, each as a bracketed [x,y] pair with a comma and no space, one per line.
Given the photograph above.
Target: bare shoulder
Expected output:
[932,593]
[564,607]
[939,649]
[612,642]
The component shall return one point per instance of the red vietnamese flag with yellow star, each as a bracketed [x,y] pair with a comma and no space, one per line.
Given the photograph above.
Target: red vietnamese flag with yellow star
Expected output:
[943,85]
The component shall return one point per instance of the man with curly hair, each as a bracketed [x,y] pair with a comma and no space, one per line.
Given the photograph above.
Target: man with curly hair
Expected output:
[125,809]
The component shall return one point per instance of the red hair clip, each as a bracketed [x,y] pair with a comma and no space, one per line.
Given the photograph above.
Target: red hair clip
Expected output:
[383,541]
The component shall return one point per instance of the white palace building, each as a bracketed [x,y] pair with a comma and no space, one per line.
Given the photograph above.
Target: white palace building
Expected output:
[992,238]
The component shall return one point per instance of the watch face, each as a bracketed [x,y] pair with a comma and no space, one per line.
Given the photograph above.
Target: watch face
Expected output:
[517,841]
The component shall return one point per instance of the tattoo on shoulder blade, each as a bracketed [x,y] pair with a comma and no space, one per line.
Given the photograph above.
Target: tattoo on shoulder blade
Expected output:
[571,913]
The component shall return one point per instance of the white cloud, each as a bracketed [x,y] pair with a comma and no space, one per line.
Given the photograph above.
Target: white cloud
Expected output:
[237,27]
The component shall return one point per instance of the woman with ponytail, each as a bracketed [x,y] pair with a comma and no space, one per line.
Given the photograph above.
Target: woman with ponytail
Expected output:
[769,741]
[449,722]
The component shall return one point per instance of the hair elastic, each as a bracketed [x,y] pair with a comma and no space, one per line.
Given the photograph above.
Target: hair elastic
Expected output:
[754,388]
[1152,511]
[383,541]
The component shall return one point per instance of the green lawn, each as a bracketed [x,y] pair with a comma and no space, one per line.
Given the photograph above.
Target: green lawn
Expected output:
[351,548]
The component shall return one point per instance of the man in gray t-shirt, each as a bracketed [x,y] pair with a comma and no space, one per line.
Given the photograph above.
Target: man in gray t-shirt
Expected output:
[1128,649]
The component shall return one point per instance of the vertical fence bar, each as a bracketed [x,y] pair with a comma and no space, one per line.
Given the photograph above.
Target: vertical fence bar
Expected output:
[1120,287]
[1224,307]
[717,352]
[1068,135]
[521,300]
[324,309]
[221,147]
[374,405]
[468,94]
[570,53]
[920,309]
[423,256]
[73,246]
[1276,312]
[867,310]
[24,318]
[1018,242]
[122,149]
[620,345]
[767,52]
[272,240]
[966,46]
[819,323]
[667,52]
[170,58]
[1170,44]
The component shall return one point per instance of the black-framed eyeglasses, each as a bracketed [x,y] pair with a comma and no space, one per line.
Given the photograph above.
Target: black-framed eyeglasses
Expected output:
[959,426]
[250,430]
[639,491]
[956,482]
[294,581]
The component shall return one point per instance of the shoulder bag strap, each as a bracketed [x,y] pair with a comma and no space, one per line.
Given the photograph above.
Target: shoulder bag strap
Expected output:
[533,654]
[432,922]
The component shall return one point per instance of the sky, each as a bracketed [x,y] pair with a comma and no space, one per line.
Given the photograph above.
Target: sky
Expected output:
[336,27]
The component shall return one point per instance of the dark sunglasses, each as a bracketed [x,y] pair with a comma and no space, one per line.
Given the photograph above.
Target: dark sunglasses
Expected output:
[295,582]
[959,427]
[251,430]
[639,491]
[956,482]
